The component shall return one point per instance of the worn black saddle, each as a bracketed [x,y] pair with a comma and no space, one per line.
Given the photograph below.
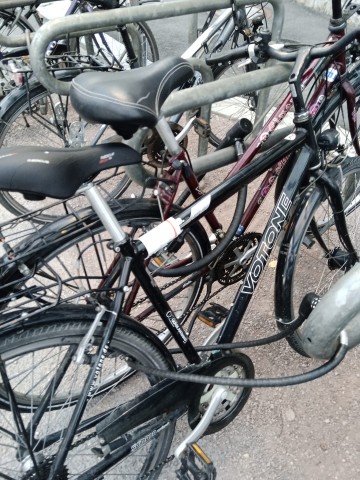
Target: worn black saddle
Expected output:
[130,99]
[39,172]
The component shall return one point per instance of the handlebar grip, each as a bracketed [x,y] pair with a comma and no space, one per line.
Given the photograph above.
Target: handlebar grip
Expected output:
[336,9]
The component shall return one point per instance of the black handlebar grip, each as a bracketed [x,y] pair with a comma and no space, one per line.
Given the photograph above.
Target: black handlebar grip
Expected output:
[336,9]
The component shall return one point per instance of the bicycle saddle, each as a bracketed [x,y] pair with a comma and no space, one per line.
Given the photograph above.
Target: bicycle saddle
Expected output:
[40,172]
[131,99]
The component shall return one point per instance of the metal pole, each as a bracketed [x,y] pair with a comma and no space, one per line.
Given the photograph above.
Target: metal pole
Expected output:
[97,21]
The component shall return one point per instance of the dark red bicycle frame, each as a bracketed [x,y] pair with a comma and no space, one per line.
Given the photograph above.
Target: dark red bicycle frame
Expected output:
[167,187]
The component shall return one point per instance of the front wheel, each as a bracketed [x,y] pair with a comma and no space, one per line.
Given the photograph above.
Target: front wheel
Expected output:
[48,395]
[306,266]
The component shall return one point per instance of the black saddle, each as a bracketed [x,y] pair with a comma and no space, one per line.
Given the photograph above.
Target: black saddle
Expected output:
[131,99]
[40,172]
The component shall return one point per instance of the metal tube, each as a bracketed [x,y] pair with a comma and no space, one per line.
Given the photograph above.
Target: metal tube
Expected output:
[97,21]
[225,88]
[21,3]
[205,111]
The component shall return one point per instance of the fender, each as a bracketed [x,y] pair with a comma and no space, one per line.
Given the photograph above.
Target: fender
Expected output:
[56,233]
[286,261]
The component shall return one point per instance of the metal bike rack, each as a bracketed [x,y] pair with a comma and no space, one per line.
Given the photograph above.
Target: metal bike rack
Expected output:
[99,21]
[21,3]
[203,96]
[338,311]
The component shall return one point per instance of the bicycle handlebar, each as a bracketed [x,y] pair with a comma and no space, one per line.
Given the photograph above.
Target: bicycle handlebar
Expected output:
[272,52]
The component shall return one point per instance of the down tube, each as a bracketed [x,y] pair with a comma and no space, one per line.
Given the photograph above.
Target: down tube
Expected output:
[266,245]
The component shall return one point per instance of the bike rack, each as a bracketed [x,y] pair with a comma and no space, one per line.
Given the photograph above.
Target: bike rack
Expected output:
[99,21]
[22,3]
[337,311]
[204,96]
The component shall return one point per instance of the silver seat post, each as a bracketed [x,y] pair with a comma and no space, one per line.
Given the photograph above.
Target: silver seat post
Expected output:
[104,213]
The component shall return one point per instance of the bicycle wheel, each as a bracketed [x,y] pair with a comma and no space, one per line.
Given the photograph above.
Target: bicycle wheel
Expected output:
[225,113]
[36,118]
[309,267]
[109,50]
[31,358]
[71,258]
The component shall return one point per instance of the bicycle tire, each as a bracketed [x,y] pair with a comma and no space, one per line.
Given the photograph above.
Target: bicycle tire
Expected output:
[306,268]
[226,112]
[74,257]
[28,355]
[10,24]
[111,52]
[35,117]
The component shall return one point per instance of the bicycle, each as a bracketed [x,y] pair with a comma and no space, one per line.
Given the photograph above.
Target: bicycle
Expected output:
[79,246]
[170,396]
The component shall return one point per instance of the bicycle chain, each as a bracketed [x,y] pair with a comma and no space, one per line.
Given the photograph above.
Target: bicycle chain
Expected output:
[155,469]
[169,284]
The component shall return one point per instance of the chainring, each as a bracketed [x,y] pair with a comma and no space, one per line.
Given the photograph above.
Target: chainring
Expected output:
[232,365]
[233,263]
[155,148]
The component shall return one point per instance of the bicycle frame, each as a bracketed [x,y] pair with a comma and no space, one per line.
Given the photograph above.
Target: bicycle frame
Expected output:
[132,260]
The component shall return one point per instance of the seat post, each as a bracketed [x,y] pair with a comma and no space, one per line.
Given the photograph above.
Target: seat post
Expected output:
[104,213]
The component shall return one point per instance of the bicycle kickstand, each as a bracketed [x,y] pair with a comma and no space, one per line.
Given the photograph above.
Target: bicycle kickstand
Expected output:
[195,465]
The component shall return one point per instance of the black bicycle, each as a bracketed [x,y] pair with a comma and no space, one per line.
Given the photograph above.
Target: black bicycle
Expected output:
[66,407]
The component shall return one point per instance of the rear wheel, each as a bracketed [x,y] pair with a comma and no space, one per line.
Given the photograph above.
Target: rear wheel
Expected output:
[74,257]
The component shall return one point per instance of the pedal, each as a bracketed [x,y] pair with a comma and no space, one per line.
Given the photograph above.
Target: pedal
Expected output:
[195,465]
[213,315]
